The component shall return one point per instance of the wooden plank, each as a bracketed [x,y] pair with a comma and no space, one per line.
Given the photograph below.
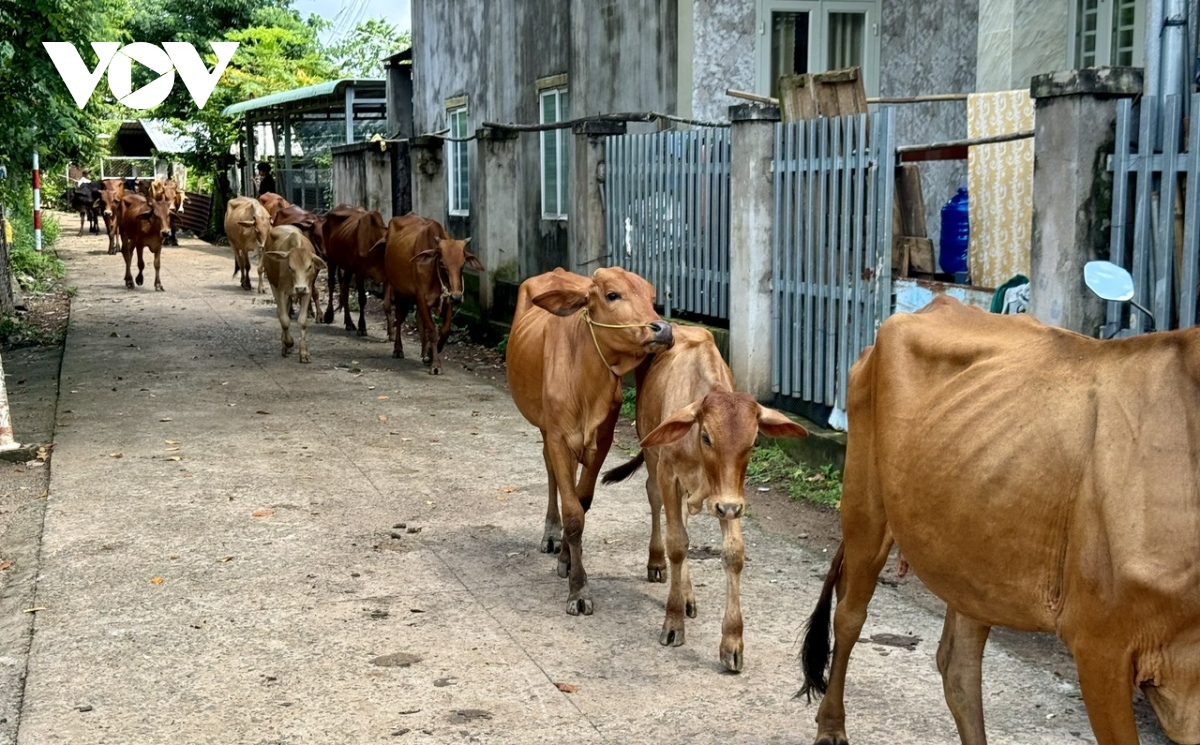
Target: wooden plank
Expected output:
[944,153]
[833,93]
[900,256]
[919,252]
[910,202]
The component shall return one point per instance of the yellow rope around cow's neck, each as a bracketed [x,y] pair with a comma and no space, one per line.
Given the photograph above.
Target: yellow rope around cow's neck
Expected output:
[592,327]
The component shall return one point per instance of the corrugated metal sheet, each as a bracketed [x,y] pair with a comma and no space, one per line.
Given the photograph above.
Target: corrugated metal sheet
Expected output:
[332,88]
[197,211]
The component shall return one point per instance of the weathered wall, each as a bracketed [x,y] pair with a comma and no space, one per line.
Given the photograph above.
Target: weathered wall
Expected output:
[362,175]
[1019,39]
[623,56]
[930,48]
[723,55]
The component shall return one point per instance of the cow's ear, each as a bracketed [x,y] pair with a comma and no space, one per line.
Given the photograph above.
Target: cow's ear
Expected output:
[773,424]
[673,428]
[320,264]
[425,257]
[380,244]
[277,254]
[246,223]
[473,262]
[561,302]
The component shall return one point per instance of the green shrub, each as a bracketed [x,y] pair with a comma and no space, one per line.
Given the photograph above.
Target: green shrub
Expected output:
[35,271]
[629,403]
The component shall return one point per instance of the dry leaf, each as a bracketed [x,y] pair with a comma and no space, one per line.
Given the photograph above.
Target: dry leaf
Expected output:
[503,498]
[172,442]
[156,580]
[265,413]
[174,457]
[383,417]
[5,565]
[165,419]
[188,475]
[382,398]
[226,559]
[566,687]
[35,610]
[262,513]
[172,450]
[508,489]
[115,455]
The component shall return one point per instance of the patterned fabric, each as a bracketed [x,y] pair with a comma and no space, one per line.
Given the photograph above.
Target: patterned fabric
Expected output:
[1000,183]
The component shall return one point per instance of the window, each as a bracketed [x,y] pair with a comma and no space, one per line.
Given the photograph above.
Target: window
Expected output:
[808,36]
[555,107]
[457,171]
[1108,32]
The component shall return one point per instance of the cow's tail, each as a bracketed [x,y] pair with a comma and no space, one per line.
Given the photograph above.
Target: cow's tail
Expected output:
[625,470]
[814,654]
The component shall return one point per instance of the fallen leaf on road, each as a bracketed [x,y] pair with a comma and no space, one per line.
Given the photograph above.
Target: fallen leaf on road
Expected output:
[165,419]
[566,687]
[5,565]
[503,498]
[188,475]
[174,457]
[156,580]
[171,442]
[382,398]
[383,417]
[226,559]
[115,455]
[508,489]
[262,513]
[35,610]
[172,450]
[264,413]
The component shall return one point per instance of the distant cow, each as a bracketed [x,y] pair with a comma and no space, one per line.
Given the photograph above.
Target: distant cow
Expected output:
[168,190]
[423,267]
[1036,479]
[572,339]
[354,246]
[697,435]
[292,266]
[273,202]
[144,224]
[248,227]
[85,199]
[113,191]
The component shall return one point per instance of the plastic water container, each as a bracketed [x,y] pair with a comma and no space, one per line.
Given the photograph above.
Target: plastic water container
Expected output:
[956,234]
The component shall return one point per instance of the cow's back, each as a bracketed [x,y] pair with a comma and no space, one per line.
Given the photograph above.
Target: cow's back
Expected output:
[241,237]
[685,373]
[408,236]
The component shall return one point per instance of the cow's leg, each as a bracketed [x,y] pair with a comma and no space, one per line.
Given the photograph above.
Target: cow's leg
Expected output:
[443,335]
[428,336]
[1106,682]
[157,266]
[562,460]
[361,285]
[656,563]
[109,228]
[244,260]
[733,557]
[960,661]
[552,532]
[344,298]
[400,305]
[81,222]
[304,303]
[387,312]
[672,633]
[285,322]
[331,279]
[127,254]
[447,324]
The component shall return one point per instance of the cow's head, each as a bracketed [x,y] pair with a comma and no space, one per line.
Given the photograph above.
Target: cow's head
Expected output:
[723,426]
[161,211]
[303,264]
[448,260]
[259,225]
[619,307]
[109,197]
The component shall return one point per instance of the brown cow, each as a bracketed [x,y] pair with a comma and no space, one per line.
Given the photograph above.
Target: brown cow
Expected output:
[171,192]
[1036,479]
[248,228]
[423,267]
[697,436]
[308,223]
[292,266]
[273,202]
[353,239]
[144,224]
[110,201]
[572,339]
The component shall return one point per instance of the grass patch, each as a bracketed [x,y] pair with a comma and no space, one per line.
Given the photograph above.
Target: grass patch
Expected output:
[770,464]
[629,403]
[37,272]
[16,331]
[501,347]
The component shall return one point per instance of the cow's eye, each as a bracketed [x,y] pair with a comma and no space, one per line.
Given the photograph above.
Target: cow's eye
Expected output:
[705,439]
[612,296]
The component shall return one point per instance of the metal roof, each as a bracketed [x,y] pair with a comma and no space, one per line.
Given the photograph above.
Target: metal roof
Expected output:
[328,96]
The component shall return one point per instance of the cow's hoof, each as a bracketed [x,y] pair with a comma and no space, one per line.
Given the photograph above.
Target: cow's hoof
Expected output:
[328,317]
[835,738]
[731,660]
[427,359]
[360,332]
[304,357]
[579,607]
[129,284]
[669,637]
[550,544]
[159,288]
[656,574]
[139,280]
[283,352]
[435,370]
[111,252]
[396,353]
[564,568]
[689,608]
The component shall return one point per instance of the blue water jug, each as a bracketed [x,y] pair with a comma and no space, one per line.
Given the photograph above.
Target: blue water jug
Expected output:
[956,233]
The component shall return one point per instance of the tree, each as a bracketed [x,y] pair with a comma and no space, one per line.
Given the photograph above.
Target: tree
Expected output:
[359,53]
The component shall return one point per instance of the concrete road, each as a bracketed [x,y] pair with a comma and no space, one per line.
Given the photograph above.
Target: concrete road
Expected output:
[220,562]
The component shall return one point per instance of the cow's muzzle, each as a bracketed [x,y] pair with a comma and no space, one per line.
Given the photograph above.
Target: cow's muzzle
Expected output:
[301,290]
[456,298]
[662,335]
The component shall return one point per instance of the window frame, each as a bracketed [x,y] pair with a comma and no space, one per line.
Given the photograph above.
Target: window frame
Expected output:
[1104,34]
[458,158]
[562,155]
[818,48]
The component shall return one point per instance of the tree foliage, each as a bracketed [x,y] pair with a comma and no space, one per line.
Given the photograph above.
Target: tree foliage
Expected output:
[359,53]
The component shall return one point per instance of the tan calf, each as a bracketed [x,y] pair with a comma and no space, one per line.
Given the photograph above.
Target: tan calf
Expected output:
[248,227]
[698,435]
[292,266]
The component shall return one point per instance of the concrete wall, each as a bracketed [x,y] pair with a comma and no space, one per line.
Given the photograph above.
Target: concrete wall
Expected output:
[722,56]
[623,56]
[362,175]
[1019,39]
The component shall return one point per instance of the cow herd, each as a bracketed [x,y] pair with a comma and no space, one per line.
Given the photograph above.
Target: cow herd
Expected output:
[138,214]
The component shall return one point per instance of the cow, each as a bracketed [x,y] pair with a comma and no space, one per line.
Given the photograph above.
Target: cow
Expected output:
[696,436]
[248,228]
[85,199]
[144,224]
[572,339]
[354,245]
[423,266]
[171,192]
[292,266]
[273,202]
[110,202]
[1033,478]
[308,222]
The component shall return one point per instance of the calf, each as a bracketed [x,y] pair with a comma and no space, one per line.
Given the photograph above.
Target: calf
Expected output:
[248,227]
[572,339]
[697,436]
[292,266]
[353,239]
[144,224]
[423,267]
[110,204]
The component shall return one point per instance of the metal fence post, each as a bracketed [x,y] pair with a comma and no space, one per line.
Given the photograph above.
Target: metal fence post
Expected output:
[751,194]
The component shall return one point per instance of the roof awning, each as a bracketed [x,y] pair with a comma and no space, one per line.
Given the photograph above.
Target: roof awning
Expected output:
[367,95]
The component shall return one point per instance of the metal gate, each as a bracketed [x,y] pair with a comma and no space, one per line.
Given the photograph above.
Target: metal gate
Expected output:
[1163,259]
[832,249]
[666,197]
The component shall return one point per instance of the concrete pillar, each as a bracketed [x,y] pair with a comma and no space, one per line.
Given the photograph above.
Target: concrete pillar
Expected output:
[497,208]
[402,200]
[1074,125]
[429,197]
[752,149]
[585,227]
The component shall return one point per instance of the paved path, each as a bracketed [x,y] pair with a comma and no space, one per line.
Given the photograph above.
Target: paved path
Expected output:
[172,614]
